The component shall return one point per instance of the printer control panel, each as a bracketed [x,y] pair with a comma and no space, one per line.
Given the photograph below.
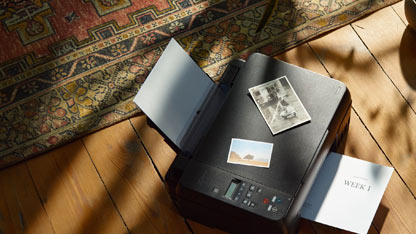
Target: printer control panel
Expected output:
[254,198]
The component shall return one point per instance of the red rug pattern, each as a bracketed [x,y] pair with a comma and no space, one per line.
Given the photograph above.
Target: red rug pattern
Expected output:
[71,67]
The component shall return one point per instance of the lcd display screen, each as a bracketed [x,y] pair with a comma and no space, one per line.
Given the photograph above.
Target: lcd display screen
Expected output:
[231,189]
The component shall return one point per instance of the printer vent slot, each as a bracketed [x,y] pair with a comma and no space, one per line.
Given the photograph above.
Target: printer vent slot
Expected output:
[227,79]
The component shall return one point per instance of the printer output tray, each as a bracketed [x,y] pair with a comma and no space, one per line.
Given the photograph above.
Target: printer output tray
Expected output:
[266,199]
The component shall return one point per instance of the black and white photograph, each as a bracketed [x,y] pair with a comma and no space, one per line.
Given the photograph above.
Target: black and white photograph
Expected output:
[279,105]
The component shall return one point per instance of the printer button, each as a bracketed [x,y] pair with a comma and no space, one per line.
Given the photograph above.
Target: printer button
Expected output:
[269,208]
[252,188]
[236,198]
[252,204]
[274,198]
[245,201]
[248,194]
[274,209]
[216,190]
[259,190]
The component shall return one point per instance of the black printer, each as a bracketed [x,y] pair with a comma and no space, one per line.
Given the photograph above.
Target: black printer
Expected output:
[244,199]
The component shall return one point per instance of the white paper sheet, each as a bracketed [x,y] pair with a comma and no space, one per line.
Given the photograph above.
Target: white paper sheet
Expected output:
[346,193]
[173,92]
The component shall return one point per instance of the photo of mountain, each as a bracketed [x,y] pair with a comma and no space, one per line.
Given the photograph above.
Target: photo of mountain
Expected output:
[250,153]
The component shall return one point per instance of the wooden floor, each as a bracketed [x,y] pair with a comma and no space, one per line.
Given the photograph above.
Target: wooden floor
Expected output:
[111,181]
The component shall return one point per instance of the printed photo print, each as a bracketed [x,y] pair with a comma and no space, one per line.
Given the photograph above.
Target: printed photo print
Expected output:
[250,153]
[279,105]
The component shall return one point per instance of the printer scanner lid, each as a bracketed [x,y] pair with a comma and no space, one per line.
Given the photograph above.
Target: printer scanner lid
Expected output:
[293,149]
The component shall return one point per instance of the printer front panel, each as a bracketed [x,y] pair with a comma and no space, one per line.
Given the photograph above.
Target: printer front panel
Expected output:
[223,187]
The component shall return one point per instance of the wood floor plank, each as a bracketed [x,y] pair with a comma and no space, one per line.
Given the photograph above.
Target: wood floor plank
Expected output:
[384,111]
[72,193]
[394,48]
[395,214]
[132,181]
[162,154]
[304,57]
[21,210]
[399,63]
[399,9]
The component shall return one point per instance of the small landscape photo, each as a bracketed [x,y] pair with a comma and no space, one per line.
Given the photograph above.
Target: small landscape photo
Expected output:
[250,153]
[279,105]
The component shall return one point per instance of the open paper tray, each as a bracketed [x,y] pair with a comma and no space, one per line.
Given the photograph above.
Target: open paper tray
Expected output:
[180,98]
[204,115]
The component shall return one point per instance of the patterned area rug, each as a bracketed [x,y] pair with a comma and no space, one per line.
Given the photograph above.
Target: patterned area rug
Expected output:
[71,67]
